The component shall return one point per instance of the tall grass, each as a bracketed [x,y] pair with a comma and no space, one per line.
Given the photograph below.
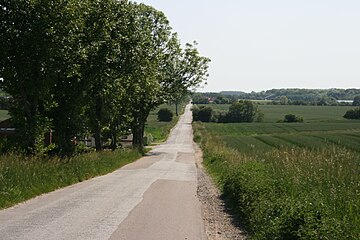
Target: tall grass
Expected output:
[288,193]
[22,178]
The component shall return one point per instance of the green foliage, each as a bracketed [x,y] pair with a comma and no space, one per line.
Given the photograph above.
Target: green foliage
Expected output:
[199,99]
[90,68]
[284,100]
[294,96]
[356,101]
[353,114]
[202,113]
[22,177]
[165,115]
[288,180]
[242,111]
[290,118]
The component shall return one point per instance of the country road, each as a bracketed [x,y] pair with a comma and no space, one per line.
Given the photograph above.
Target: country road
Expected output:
[153,198]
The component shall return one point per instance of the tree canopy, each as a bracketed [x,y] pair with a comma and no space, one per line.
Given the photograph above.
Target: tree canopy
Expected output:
[90,68]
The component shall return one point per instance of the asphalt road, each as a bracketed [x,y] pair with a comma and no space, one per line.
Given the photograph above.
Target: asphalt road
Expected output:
[153,198]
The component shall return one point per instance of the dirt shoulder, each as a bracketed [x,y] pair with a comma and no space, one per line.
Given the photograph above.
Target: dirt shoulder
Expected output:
[219,224]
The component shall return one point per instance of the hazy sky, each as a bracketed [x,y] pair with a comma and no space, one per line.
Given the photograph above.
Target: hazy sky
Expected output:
[263,44]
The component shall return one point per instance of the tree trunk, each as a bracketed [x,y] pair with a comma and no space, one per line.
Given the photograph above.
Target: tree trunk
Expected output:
[176,108]
[113,129]
[138,137]
[98,120]
[97,136]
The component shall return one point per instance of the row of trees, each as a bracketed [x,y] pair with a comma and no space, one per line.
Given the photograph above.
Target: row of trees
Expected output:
[318,100]
[297,94]
[96,67]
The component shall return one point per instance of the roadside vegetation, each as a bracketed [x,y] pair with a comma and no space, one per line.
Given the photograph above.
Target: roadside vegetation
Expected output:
[160,130]
[288,180]
[22,178]
[81,70]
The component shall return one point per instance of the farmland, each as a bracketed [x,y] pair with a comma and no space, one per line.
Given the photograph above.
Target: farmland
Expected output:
[289,180]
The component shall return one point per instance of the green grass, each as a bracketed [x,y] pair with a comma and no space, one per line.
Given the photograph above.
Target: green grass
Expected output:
[161,130]
[289,180]
[274,113]
[4,115]
[22,178]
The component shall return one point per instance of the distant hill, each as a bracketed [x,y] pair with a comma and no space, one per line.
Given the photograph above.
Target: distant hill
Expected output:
[294,96]
[232,93]
[297,94]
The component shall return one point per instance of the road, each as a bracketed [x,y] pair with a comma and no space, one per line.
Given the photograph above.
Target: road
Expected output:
[153,198]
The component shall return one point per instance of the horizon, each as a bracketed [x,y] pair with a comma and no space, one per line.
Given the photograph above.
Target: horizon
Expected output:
[256,45]
[276,89]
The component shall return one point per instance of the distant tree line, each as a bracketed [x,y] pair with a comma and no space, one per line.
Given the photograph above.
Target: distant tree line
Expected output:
[89,67]
[284,97]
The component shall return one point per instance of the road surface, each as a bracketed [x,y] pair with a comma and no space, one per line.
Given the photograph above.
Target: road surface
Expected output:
[153,198]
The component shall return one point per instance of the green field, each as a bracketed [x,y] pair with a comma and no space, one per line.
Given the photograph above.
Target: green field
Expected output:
[273,113]
[289,180]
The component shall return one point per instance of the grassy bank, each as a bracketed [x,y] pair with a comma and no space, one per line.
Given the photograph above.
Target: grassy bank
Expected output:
[289,181]
[161,130]
[22,178]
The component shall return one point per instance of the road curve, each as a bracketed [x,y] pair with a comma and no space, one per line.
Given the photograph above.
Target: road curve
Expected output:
[153,198]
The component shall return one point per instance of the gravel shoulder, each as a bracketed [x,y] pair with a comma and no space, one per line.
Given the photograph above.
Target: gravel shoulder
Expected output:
[219,224]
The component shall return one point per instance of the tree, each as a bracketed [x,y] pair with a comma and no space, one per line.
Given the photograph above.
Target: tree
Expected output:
[156,63]
[30,43]
[352,114]
[356,101]
[202,113]
[242,111]
[289,118]
[284,100]
[165,115]
[188,70]
[103,66]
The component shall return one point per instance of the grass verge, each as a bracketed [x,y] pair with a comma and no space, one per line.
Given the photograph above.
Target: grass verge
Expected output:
[287,193]
[161,130]
[22,178]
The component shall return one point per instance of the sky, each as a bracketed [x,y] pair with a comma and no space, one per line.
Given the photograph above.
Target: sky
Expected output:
[257,45]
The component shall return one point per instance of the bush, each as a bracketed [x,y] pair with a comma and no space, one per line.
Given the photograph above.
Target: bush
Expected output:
[202,114]
[165,115]
[353,114]
[289,118]
[356,101]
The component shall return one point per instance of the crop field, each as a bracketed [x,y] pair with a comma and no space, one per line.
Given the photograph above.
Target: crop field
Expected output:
[288,180]
[274,113]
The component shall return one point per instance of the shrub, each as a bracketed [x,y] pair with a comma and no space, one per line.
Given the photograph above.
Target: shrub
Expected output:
[288,118]
[242,111]
[356,101]
[353,114]
[165,115]
[203,114]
